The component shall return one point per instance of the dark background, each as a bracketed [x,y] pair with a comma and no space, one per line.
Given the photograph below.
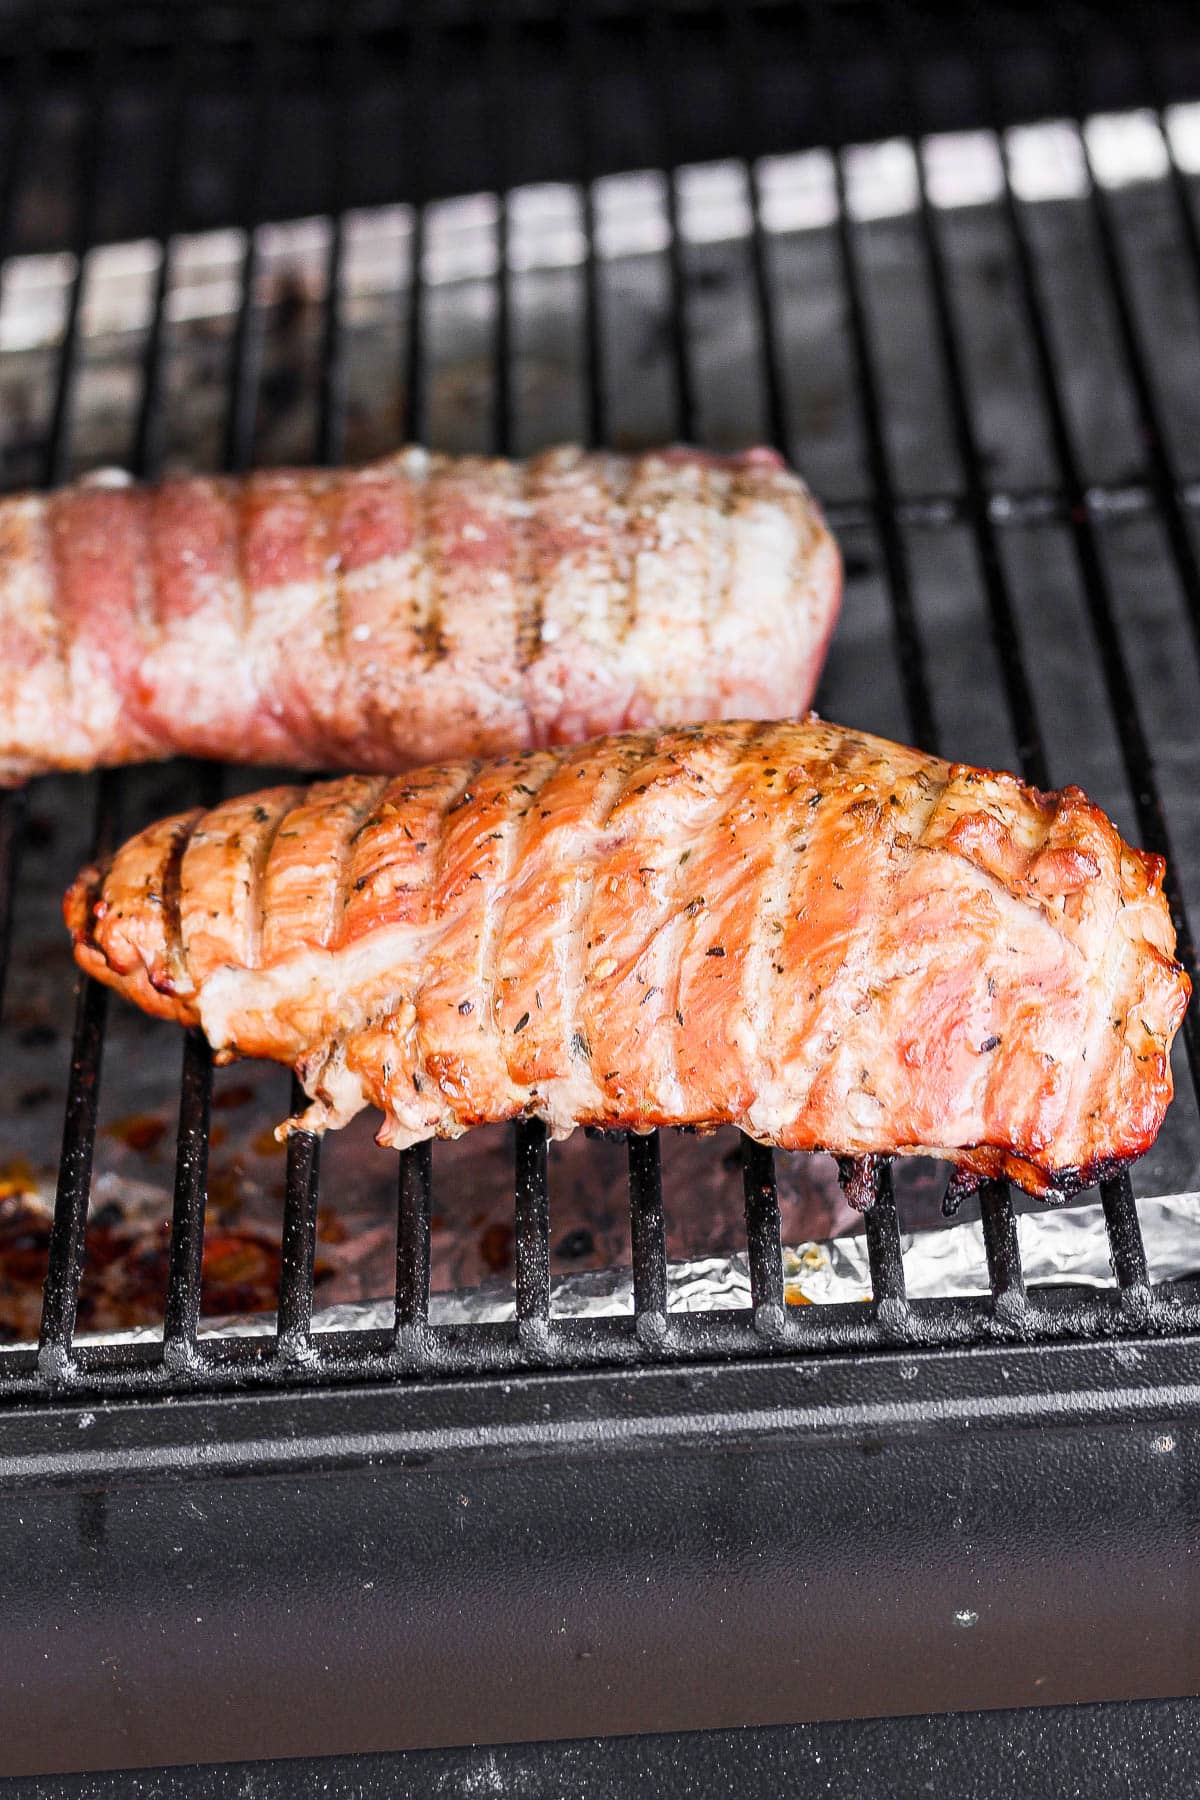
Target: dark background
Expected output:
[450,97]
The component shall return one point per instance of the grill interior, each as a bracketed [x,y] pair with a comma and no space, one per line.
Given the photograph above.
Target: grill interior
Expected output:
[990,393]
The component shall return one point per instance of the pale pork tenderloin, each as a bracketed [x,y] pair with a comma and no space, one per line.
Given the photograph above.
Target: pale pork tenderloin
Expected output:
[420,608]
[825,939]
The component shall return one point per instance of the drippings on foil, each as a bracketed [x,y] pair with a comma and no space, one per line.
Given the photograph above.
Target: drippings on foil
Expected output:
[1064,1248]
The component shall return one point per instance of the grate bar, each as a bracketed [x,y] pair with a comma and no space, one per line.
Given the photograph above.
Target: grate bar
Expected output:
[762,1237]
[1002,1248]
[883,1243]
[56,465]
[147,435]
[184,1271]
[68,1231]
[1125,1236]
[502,335]
[415,1197]
[186,1257]
[413,407]
[768,334]
[649,1237]
[412,1238]
[246,346]
[299,1240]
[577,42]
[596,411]
[660,63]
[332,405]
[531,1184]
[737,27]
[532,1194]
[331,410]
[185,1260]
[910,655]
[191,1166]
[60,1295]
[145,455]
[13,811]
[867,1184]
[417,85]
[500,88]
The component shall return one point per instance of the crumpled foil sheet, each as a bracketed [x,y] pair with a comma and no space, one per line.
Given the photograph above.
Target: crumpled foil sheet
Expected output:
[1067,1248]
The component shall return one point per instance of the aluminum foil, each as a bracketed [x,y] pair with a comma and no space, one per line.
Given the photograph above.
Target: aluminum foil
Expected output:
[1064,1248]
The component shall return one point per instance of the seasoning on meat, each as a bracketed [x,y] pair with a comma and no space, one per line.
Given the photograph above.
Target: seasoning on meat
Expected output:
[420,608]
[823,938]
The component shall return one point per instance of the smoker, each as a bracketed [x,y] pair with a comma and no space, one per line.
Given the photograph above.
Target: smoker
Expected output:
[716,1549]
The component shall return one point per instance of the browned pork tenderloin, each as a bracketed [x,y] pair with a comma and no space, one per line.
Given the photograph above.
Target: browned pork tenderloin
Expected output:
[823,938]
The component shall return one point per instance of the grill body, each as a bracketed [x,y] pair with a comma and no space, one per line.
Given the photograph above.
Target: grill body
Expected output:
[332,1543]
[571,1557]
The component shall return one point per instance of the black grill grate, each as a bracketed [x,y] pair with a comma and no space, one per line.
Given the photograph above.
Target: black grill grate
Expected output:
[749,35]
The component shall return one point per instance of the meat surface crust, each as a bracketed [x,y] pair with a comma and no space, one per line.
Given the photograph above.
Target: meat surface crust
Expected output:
[420,608]
[823,938]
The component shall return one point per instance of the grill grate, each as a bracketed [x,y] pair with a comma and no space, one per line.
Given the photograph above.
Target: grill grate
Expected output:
[296,1353]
